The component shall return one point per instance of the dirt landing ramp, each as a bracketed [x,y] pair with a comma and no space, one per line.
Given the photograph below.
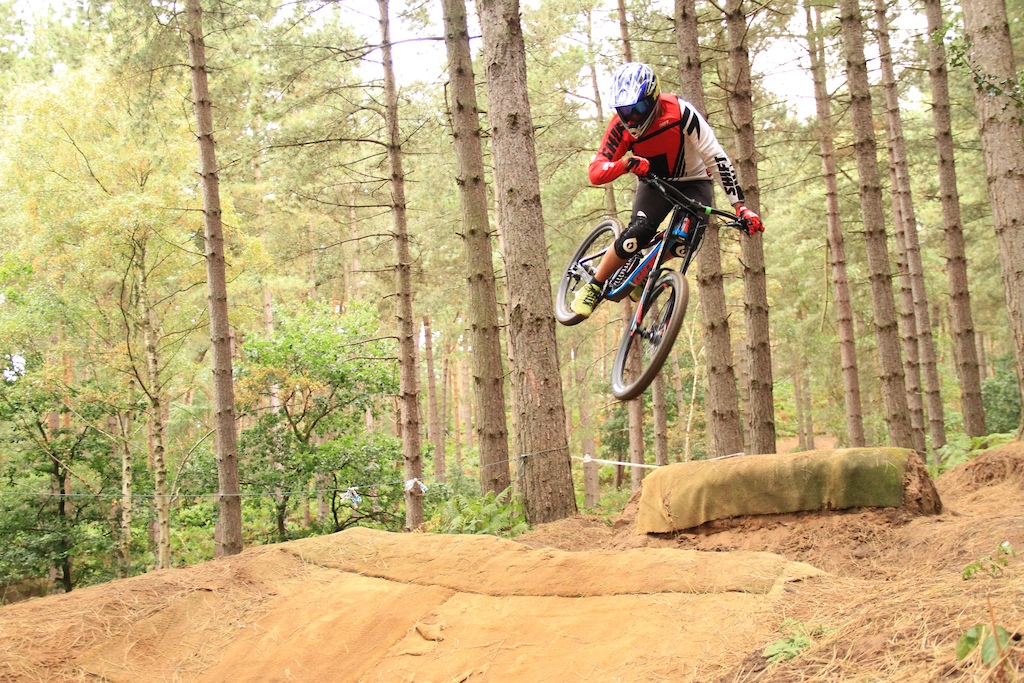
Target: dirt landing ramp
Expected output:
[687,495]
[372,606]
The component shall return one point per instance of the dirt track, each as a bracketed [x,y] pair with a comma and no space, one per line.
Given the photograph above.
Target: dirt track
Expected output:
[576,600]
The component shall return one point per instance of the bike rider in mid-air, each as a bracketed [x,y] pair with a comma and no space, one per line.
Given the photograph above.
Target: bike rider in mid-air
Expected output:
[668,137]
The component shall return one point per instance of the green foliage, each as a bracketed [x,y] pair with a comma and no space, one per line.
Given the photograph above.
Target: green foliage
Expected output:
[1010,88]
[993,644]
[961,448]
[991,565]
[797,637]
[1001,397]
[47,451]
[497,514]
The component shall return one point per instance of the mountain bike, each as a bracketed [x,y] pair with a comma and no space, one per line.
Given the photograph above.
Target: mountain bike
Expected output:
[648,338]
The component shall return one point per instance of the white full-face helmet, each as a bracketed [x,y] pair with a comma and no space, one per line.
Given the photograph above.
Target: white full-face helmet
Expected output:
[635,91]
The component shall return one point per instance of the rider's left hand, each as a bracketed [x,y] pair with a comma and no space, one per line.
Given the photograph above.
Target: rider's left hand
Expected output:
[751,219]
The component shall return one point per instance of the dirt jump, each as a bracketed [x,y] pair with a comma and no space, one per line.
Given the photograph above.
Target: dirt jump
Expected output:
[854,594]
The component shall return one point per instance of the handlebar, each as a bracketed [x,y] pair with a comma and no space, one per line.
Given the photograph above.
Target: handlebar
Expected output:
[679,198]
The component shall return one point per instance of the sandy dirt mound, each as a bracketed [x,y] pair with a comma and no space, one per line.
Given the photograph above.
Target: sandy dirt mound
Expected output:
[896,601]
[580,599]
[365,605]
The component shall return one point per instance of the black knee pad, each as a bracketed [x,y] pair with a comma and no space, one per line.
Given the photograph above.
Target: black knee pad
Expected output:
[635,237]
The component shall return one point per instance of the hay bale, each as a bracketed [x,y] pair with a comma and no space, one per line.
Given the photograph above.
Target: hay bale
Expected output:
[686,495]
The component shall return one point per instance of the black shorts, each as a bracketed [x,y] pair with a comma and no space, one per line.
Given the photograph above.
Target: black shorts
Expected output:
[655,206]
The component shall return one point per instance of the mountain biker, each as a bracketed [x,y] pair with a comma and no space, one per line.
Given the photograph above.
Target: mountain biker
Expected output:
[668,137]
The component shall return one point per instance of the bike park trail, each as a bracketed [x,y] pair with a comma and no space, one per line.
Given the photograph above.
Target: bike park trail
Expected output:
[878,593]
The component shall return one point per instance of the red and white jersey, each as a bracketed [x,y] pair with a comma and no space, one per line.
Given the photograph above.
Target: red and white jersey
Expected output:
[679,143]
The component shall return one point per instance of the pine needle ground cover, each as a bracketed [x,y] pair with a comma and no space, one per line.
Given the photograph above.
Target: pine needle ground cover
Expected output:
[875,594]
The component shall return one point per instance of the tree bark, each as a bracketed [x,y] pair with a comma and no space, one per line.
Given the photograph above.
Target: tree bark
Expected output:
[408,367]
[798,399]
[725,433]
[1002,145]
[962,320]
[467,404]
[660,410]
[436,436]
[980,345]
[908,327]
[808,408]
[229,501]
[887,335]
[836,244]
[624,30]
[540,444]
[440,466]
[691,74]
[761,419]
[591,480]
[453,377]
[121,428]
[150,336]
[488,373]
[906,223]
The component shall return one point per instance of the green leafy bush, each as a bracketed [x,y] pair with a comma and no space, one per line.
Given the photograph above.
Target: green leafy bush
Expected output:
[498,514]
[1000,396]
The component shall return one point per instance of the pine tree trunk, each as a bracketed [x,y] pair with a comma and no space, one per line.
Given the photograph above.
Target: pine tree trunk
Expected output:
[982,362]
[488,373]
[229,501]
[453,378]
[591,480]
[660,410]
[624,30]
[688,48]
[907,217]
[433,419]
[725,433]
[162,500]
[122,425]
[894,395]
[440,465]
[1002,144]
[467,404]
[798,399]
[408,367]
[761,419]
[836,244]
[808,408]
[908,327]
[540,443]
[964,350]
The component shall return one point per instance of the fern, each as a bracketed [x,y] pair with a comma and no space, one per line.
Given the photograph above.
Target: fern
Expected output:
[497,514]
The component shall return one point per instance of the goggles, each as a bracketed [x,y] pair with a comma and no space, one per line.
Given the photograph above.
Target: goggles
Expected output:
[635,114]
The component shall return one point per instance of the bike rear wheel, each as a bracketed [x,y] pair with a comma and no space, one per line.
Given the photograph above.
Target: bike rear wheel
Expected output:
[642,353]
[584,261]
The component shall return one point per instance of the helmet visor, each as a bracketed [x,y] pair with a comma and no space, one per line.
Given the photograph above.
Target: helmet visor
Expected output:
[635,114]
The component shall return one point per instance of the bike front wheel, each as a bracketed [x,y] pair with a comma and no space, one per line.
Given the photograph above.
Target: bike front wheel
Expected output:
[642,353]
[582,267]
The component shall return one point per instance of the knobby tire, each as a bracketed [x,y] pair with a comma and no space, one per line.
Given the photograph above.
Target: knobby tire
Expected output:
[600,238]
[659,327]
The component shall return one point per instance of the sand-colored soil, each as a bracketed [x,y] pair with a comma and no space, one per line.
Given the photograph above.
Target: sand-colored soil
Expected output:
[880,591]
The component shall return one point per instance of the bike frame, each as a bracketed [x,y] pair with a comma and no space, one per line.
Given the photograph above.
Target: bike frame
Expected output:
[684,227]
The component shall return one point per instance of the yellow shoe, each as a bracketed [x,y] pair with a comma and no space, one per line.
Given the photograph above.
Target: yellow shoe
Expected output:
[638,292]
[586,299]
